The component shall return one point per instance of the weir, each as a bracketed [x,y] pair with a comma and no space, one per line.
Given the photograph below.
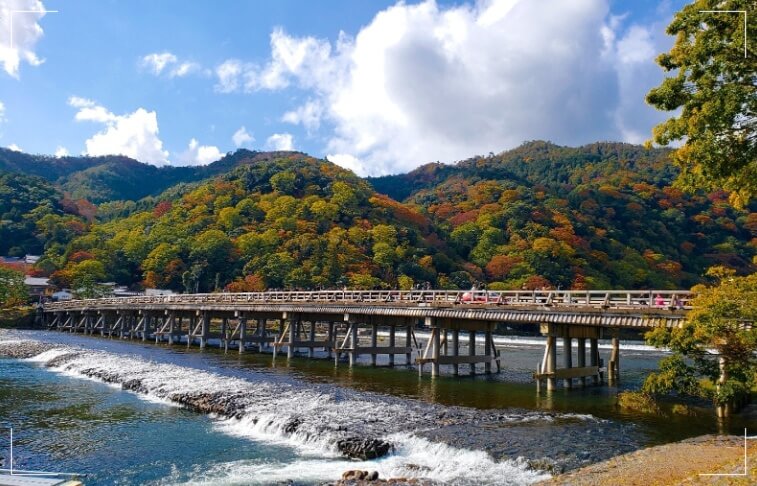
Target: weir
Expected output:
[348,324]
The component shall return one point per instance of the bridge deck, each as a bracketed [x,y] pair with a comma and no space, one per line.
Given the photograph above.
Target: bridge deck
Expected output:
[593,308]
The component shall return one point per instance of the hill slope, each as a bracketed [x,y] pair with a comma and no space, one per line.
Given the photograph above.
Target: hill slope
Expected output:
[113,177]
[293,221]
[602,215]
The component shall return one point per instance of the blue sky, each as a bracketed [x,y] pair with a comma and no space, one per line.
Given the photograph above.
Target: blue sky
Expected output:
[377,86]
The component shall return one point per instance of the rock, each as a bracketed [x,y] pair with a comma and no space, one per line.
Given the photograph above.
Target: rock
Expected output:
[353,474]
[358,475]
[365,449]
[24,349]
[292,425]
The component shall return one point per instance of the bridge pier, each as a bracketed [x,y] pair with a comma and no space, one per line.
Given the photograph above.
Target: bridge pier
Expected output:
[205,329]
[354,343]
[331,338]
[455,350]
[567,358]
[547,369]
[294,323]
[242,325]
[594,358]
[392,330]
[472,352]
[613,367]
[409,344]
[433,352]
[374,342]
[582,358]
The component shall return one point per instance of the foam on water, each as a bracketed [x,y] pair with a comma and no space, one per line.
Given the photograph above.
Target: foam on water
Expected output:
[309,418]
[49,355]
[414,458]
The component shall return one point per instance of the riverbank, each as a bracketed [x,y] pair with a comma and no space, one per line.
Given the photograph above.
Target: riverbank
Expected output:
[691,461]
[17,318]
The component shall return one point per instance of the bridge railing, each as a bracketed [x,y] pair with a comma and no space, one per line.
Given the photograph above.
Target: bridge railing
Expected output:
[615,299]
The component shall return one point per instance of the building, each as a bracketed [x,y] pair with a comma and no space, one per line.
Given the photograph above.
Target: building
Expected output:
[31,259]
[123,291]
[38,287]
[64,294]
[159,292]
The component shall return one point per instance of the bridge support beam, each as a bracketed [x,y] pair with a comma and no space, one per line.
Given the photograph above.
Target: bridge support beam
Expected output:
[354,342]
[409,344]
[567,358]
[594,358]
[374,342]
[613,367]
[242,325]
[472,351]
[547,369]
[455,350]
[205,329]
[581,350]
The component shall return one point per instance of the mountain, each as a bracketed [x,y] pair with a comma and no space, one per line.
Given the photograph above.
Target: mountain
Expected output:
[284,220]
[111,178]
[599,216]
[28,205]
[603,215]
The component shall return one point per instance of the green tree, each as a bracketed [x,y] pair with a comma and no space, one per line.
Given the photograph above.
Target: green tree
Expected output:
[405,282]
[86,277]
[713,85]
[12,288]
[714,351]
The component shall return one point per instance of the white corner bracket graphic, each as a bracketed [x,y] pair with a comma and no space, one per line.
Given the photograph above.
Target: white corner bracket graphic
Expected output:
[13,12]
[746,460]
[21,472]
[733,12]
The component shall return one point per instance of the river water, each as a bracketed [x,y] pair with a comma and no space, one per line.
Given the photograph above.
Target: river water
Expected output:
[290,414]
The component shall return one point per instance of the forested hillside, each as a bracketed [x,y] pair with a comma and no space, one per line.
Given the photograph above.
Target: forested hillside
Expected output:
[34,215]
[296,222]
[599,216]
[115,177]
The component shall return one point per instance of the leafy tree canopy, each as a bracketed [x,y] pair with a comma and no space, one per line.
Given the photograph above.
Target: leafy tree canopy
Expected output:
[714,85]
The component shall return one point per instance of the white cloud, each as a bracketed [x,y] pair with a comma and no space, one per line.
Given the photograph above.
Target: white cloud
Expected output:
[15,148]
[197,154]
[228,74]
[61,152]
[424,82]
[26,33]
[2,112]
[156,62]
[168,64]
[134,134]
[242,137]
[280,141]
[308,115]
[305,60]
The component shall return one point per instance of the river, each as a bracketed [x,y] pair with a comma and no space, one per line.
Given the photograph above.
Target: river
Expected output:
[289,416]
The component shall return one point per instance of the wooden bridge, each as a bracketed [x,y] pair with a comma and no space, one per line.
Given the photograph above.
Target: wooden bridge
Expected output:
[336,320]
